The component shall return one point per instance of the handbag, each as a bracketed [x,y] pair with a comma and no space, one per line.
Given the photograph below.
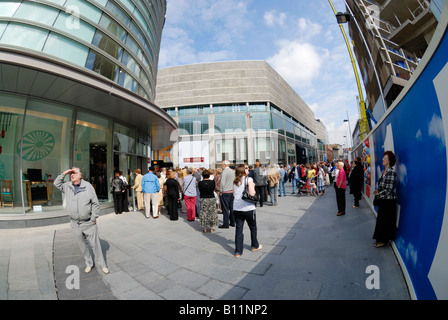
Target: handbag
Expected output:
[247,197]
[179,204]
[376,201]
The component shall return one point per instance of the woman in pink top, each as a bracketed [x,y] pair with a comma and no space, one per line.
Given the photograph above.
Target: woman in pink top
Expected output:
[340,189]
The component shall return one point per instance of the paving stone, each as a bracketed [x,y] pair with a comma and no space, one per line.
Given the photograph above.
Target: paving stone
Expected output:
[308,253]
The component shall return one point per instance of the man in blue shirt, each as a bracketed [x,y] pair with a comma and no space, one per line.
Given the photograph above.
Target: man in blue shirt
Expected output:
[282,181]
[150,189]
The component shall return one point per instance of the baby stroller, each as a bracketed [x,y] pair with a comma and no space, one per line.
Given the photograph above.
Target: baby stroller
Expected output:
[304,187]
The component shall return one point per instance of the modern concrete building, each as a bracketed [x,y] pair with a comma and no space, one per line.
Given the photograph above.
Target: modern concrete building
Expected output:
[397,34]
[77,88]
[241,111]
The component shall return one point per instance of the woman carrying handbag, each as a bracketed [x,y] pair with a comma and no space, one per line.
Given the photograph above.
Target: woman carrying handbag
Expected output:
[244,210]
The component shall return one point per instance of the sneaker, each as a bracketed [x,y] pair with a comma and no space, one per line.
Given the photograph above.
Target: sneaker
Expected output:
[88,269]
[237,255]
[105,270]
[256,249]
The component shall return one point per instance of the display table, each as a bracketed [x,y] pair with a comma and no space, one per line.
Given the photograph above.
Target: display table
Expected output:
[38,192]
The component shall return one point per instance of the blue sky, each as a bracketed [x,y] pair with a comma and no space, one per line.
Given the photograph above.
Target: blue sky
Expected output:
[300,39]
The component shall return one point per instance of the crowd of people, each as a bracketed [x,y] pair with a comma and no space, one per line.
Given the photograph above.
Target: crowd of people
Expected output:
[207,192]
[229,191]
[204,192]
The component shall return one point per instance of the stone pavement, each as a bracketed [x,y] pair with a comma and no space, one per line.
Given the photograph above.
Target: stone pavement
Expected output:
[308,254]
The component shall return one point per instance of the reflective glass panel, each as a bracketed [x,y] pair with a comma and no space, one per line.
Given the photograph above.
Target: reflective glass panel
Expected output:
[127,81]
[193,125]
[36,12]
[85,9]
[76,27]
[113,27]
[230,122]
[118,13]
[8,8]
[102,65]
[124,138]
[24,36]
[130,63]
[105,43]
[66,49]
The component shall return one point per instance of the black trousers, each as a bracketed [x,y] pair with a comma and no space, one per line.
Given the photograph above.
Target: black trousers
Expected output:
[386,220]
[261,191]
[340,199]
[250,218]
[171,200]
[118,202]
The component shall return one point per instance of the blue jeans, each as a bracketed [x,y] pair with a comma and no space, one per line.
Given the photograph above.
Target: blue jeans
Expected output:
[249,217]
[281,185]
[294,183]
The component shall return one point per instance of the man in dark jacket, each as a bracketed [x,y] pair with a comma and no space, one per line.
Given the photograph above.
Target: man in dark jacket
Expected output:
[259,180]
[356,181]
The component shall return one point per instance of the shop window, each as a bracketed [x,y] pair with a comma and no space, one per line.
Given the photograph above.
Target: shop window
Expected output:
[233,149]
[46,151]
[11,120]
[93,135]
[262,149]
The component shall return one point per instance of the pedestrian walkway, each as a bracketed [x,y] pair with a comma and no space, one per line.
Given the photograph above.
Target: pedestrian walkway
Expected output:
[308,253]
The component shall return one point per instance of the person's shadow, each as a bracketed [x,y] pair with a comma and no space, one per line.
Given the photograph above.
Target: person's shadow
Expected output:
[227,244]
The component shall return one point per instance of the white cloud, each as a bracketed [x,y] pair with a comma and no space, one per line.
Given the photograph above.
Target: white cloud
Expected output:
[222,23]
[402,174]
[418,135]
[298,63]
[272,18]
[436,128]
[314,106]
[308,29]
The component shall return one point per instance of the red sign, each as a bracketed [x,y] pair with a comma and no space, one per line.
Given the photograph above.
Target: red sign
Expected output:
[196,159]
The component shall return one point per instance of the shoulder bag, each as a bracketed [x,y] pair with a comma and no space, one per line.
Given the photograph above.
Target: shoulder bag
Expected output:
[247,197]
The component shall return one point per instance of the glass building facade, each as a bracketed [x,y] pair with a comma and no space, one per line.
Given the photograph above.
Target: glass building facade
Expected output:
[240,111]
[246,132]
[117,39]
[77,88]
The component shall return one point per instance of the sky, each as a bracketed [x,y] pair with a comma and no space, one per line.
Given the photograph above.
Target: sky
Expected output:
[300,39]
